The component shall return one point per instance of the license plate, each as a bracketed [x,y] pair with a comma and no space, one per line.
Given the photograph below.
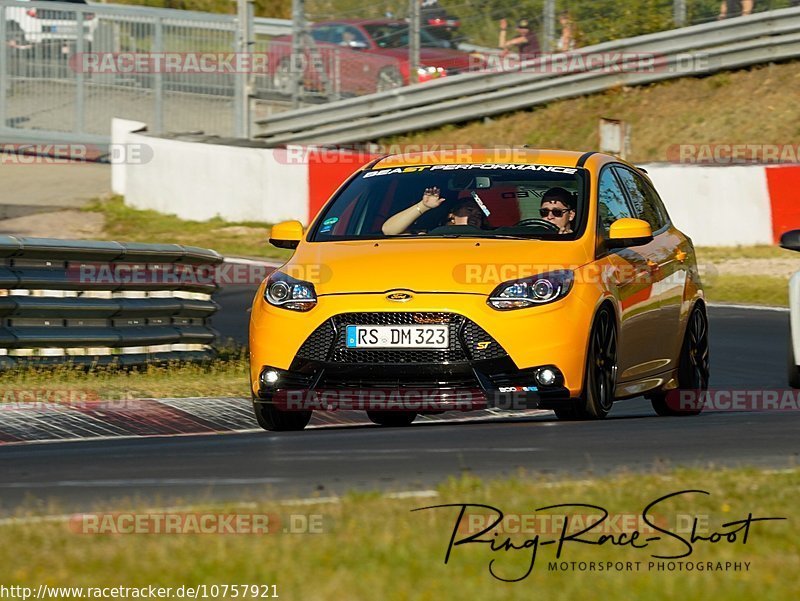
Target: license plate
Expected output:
[398,337]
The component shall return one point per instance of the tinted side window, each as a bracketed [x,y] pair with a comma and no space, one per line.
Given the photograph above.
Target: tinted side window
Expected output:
[611,201]
[641,197]
[658,203]
[322,34]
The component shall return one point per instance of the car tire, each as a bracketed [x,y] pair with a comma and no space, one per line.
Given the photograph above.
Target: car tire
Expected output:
[793,369]
[271,418]
[600,374]
[392,419]
[566,414]
[693,366]
[388,79]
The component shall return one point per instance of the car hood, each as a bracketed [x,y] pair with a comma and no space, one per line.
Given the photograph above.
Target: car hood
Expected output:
[468,265]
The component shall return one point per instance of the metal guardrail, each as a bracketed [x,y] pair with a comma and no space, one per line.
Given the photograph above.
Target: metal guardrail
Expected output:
[105,303]
[707,48]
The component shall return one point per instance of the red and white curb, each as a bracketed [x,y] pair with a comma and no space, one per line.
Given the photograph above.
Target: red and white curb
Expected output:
[41,422]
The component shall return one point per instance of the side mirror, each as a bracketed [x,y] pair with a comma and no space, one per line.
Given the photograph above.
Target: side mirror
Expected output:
[356,45]
[629,232]
[791,240]
[286,234]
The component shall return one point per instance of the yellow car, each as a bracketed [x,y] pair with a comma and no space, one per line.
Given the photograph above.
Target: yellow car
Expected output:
[462,280]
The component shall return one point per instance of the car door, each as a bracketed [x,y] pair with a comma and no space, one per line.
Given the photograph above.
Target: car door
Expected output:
[357,67]
[665,260]
[628,275]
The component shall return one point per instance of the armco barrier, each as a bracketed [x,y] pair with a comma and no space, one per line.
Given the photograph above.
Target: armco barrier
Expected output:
[104,303]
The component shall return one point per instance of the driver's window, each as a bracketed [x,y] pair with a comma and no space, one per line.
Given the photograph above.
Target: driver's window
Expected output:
[322,34]
[351,34]
[611,203]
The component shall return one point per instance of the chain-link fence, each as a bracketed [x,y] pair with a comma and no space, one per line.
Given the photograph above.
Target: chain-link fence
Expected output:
[177,71]
[67,68]
[56,81]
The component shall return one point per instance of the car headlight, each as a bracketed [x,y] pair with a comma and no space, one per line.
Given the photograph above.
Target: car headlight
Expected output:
[289,293]
[432,71]
[529,292]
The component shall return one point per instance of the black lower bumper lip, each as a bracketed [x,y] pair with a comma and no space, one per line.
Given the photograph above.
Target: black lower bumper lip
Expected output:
[419,400]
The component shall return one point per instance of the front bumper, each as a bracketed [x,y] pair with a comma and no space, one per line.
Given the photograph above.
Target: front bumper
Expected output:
[518,341]
[474,372]
[463,386]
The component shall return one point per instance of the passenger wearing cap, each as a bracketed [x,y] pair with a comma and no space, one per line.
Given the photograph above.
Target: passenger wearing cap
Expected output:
[525,43]
[558,207]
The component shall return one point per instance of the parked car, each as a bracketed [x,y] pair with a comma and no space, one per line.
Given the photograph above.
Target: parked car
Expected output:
[566,318]
[364,56]
[54,28]
[791,241]
[440,24]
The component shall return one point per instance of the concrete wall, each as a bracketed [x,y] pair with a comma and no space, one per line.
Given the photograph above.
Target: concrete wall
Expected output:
[715,206]
[200,181]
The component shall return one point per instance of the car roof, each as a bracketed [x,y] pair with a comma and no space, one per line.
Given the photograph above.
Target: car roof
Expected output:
[362,22]
[456,155]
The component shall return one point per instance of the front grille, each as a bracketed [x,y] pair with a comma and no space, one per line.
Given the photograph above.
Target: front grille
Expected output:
[318,345]
[480,345]
[468,341]
[341,354]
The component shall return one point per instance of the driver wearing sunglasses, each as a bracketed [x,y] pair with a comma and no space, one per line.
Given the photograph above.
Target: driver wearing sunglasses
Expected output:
[558,207]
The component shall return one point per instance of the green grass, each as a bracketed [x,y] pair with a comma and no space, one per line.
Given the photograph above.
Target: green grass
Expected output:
[751,285]
[247,239]
[373,547]
[227,376]
[748,290]
[726,253]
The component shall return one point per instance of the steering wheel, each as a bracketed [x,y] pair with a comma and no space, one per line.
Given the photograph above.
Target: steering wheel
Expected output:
[539,222]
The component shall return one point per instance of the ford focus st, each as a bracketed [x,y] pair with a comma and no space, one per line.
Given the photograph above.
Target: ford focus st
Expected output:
[515,279]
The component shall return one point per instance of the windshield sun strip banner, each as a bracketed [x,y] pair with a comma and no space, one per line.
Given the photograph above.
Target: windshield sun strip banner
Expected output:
[468,167]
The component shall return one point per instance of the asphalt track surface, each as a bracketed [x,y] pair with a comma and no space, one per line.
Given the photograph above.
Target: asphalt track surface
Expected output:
[748,352]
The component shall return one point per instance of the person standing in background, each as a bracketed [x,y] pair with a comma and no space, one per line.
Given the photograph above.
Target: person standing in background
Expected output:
[569,33]
[735,8]
[525,43]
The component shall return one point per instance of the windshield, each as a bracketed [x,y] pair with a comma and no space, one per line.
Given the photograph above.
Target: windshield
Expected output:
[487,200]
[395,35]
